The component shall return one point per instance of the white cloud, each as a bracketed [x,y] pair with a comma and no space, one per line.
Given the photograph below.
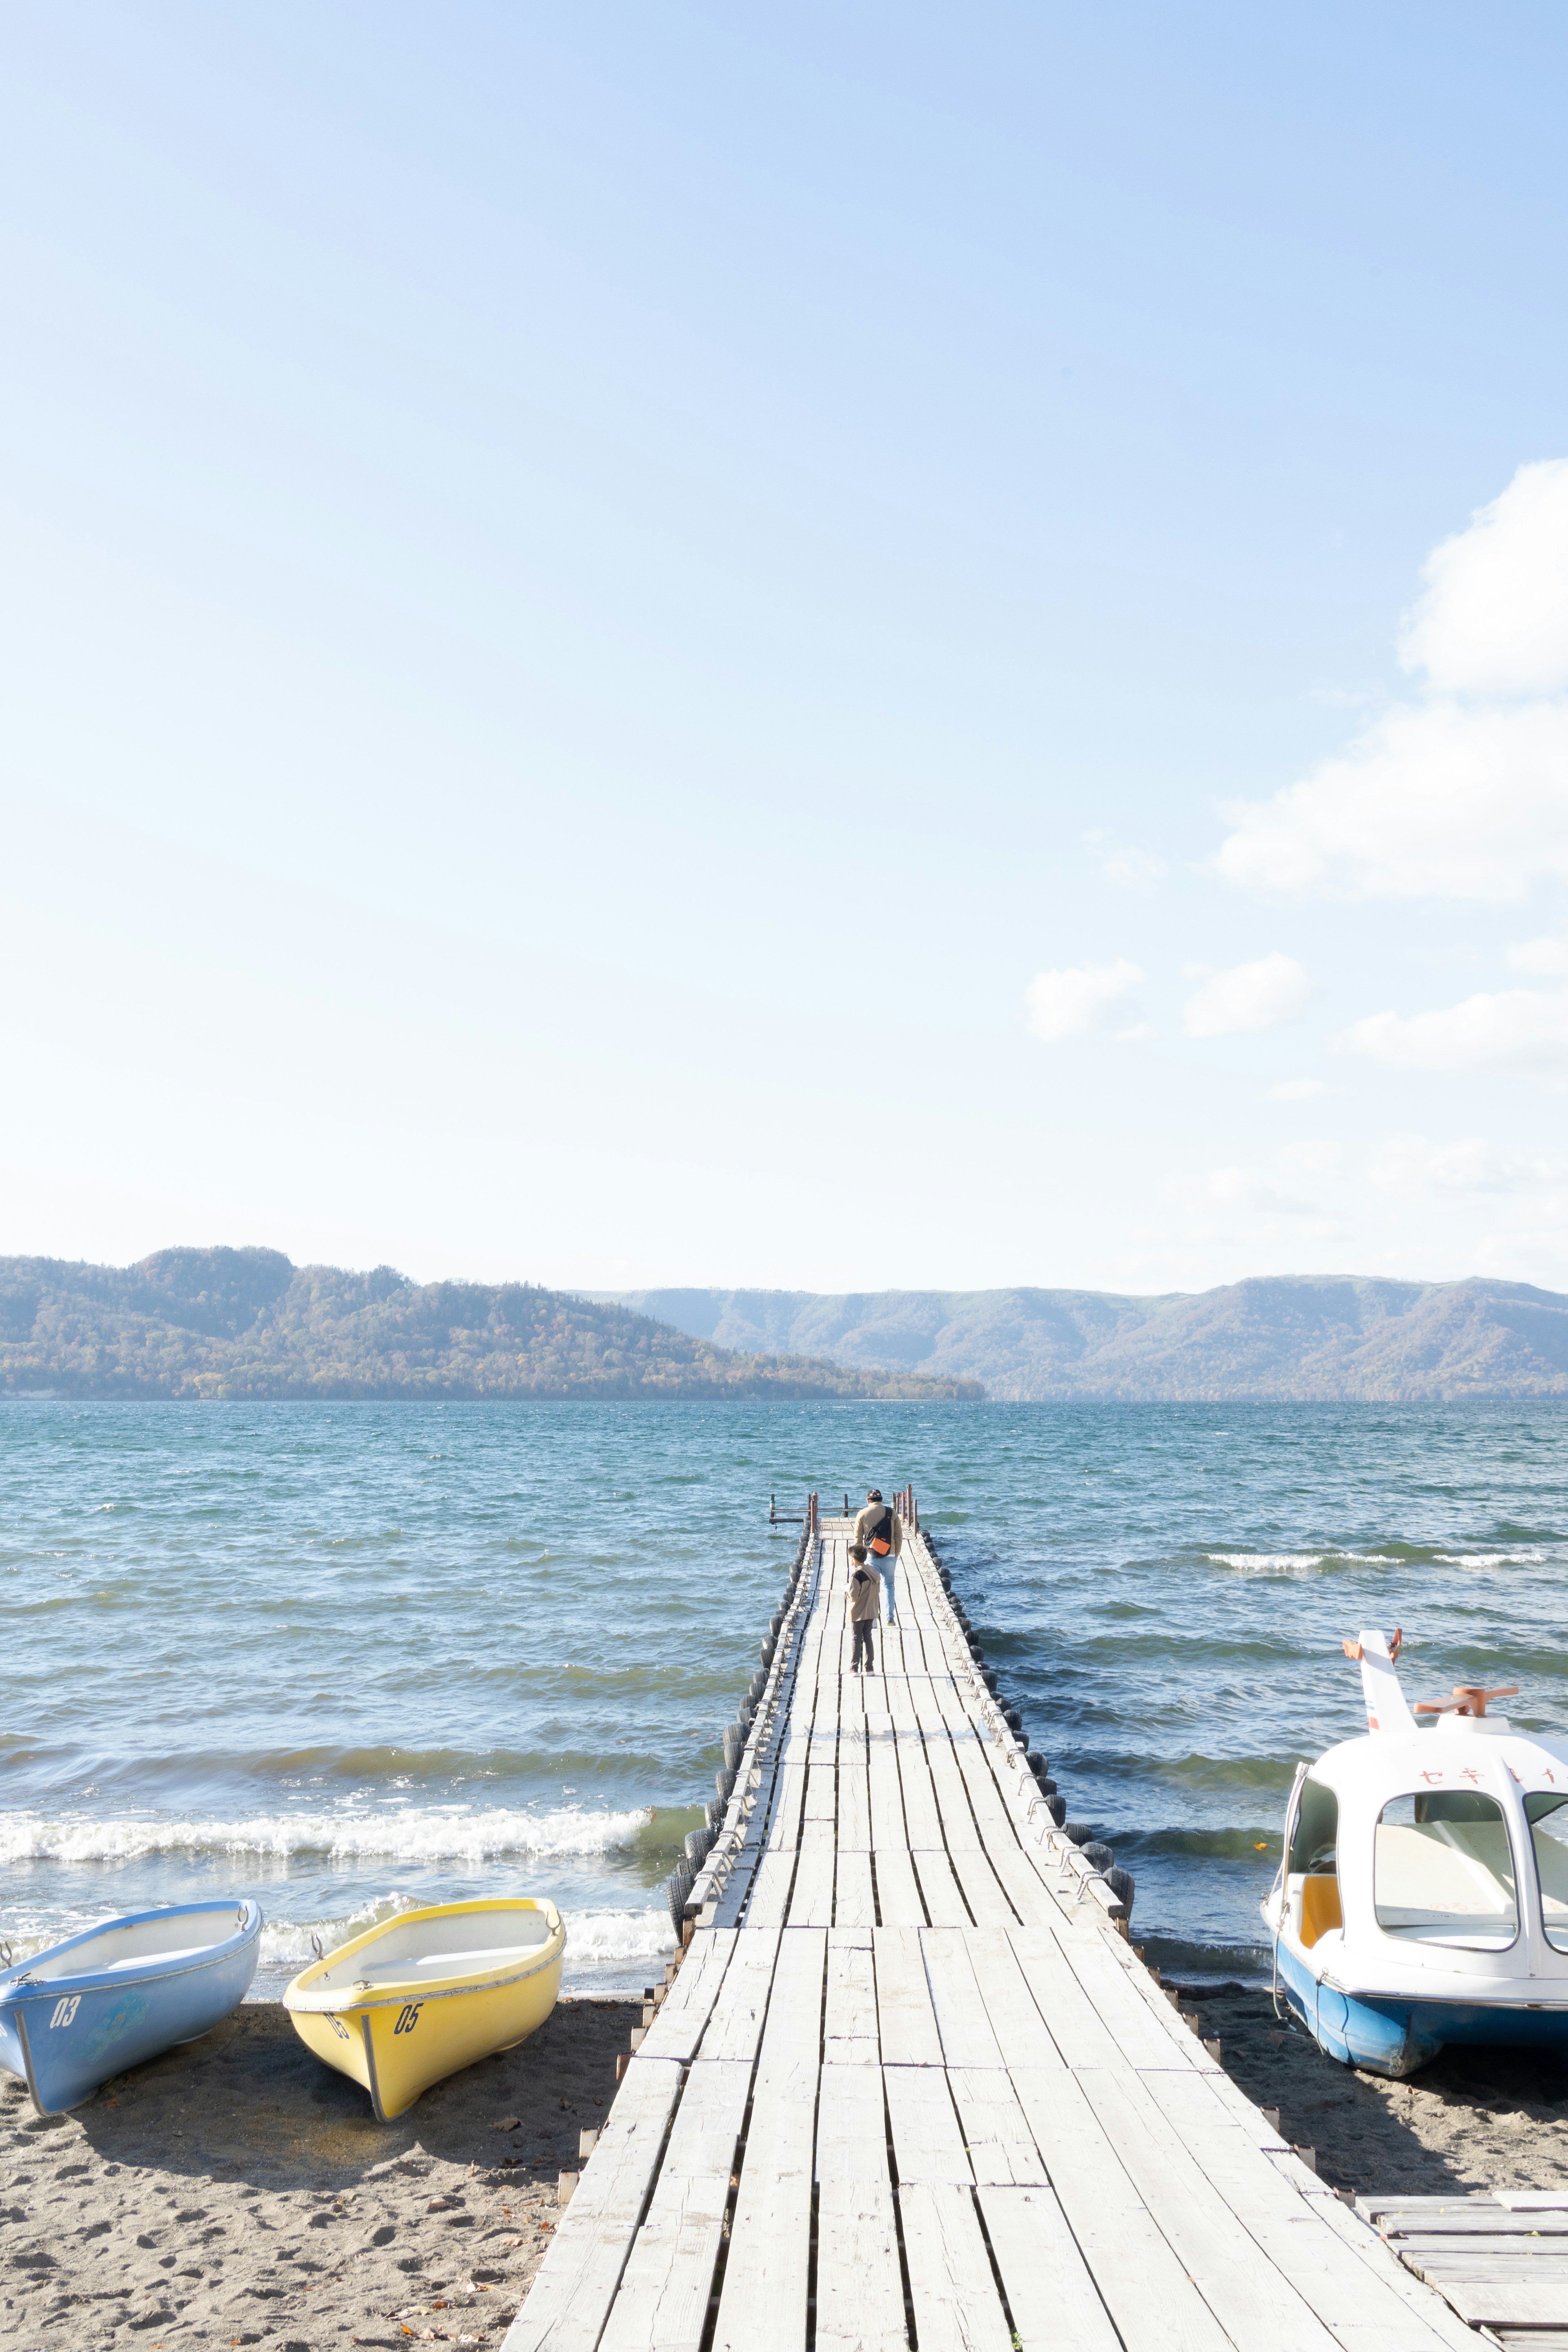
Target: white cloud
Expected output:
[1544,958]
[1493,618]
[1415,1168]
[1129,868]
[1249,999]
[1516,1029]
[1295,1091]
[1070,1002]
[1292,1186]
[1463,794]
[1439,800]
[1133,869]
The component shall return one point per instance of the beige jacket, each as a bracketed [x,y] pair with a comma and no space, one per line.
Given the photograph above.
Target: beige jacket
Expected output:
[867,1520]
[865,1598]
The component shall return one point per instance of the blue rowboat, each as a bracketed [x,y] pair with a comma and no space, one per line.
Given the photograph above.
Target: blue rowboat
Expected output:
[121,1992]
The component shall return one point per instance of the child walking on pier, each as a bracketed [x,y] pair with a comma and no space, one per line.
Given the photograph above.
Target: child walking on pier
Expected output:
[865,1593]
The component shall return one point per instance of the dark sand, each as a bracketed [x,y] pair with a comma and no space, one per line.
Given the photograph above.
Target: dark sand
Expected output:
[1474,2120]
[239,2191]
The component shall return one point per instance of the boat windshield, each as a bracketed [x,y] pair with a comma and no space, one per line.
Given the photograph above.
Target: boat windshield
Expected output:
[1547,1814]
[1443,1871]
[1315,1836]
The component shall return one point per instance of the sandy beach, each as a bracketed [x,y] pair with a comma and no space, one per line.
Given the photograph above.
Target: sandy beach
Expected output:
[1474,2120]
[237,2191]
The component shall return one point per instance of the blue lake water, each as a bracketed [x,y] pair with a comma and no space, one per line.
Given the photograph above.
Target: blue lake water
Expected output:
[348,1657]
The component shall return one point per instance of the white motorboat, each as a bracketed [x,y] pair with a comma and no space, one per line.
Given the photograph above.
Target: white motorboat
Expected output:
[1423,1893]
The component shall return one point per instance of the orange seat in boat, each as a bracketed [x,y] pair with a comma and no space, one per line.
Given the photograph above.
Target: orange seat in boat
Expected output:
[1320,1907]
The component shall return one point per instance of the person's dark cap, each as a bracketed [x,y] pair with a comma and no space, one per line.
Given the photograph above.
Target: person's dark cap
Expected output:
[873,1494]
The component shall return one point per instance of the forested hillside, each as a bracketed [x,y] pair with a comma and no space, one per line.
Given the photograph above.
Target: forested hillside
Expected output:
[248,1323]
[1276,1338]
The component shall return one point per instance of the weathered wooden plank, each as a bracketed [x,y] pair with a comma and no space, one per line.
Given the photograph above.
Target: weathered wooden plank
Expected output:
[1358,2285]
[927,2141]
[906,2022]
[1031,1899]
[763,2298]
[850,2013]
[853,1900]
[963,2021]
[789,1804]
[1022,2035]
[571,2297]
[885,1792]
[769,1903]
[811,1899]
[1528,2302]
[1238,2281]
[734,2027]
[986,1898]
[1079,2030]
[1477,2257]
[996,2136]
[1143,2284]
[859,2286]
[1460,2217]
[951,2286]
[943,1895]
[662,2299]
[1147,2030]
[899,1899]
[1050,2289]
[678,2029]
[959,1829]
[854,1796]
[922,1818]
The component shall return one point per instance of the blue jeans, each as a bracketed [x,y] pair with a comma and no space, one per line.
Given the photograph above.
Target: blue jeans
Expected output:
[889,1578]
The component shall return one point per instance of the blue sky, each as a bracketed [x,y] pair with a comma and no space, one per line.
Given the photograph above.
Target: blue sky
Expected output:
[622,625]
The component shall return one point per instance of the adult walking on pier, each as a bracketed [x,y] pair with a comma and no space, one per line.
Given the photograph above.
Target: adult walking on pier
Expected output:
[881,1531]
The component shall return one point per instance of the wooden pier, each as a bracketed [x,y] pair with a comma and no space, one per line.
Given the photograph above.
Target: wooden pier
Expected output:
[911,2087]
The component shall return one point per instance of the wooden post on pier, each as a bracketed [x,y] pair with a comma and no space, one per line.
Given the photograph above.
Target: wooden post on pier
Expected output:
[909,2054]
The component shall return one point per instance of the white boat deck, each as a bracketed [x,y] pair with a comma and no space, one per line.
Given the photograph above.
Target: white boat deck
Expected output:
[912,2087]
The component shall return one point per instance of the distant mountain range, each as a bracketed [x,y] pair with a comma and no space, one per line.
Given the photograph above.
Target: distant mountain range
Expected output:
[1282,1338]
[246,1323]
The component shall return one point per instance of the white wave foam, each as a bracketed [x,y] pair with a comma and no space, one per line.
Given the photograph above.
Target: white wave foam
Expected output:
[285,1943]
[1493,1559]
[1296,1563]
[601,1939]
[400,1832]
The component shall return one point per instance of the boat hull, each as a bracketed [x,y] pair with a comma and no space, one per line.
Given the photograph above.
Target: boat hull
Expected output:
[403,2037]
[67,2034]
[1394,2034]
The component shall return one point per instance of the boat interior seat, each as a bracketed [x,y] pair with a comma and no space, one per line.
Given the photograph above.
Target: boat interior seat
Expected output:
[140,1959]
[162,1940]
[443,1964]
[1319,1905]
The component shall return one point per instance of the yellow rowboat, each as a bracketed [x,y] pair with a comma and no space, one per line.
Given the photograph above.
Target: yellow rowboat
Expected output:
[416,1999]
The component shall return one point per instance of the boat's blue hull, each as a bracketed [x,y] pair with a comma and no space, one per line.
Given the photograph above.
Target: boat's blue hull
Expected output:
[68,2034]
[1394,2035]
